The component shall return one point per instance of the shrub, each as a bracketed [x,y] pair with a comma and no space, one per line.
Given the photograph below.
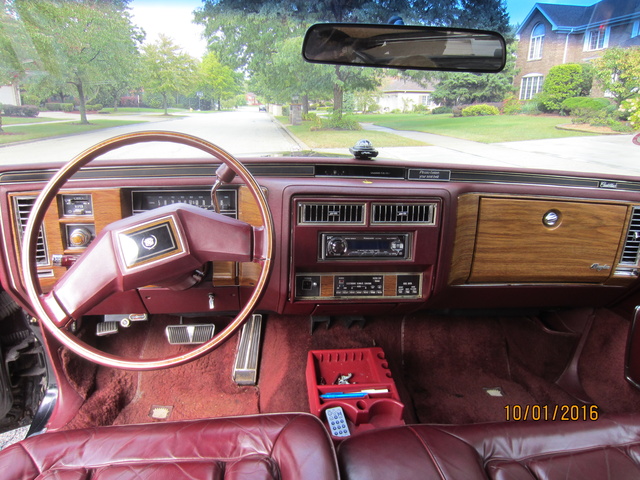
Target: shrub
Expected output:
[309,117]
[531,107]
[565,81]
[575,103]
[632,108]
[20,111]
[512,106]
[594,111]
[480,110]
[440,110]
[421,109]
[52,107]
[66,107]
[94,108]
[30,111]
[335,122]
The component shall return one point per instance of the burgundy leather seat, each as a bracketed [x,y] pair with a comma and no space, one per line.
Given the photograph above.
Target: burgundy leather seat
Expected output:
[279,446]
[608,448]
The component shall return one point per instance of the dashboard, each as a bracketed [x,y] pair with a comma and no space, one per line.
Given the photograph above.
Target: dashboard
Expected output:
[357,237]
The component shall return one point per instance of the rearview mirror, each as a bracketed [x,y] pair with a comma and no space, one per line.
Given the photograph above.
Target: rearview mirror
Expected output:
[405,47]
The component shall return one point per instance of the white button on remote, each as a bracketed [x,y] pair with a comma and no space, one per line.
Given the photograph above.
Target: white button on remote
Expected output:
[337,422]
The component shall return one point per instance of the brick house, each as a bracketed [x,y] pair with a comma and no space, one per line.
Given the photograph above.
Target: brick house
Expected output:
[557,34]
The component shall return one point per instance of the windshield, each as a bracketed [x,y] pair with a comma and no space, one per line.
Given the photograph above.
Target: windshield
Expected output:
[74,73]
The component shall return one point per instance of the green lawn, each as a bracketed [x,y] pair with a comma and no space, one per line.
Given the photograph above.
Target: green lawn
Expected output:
[346,138]
[35,131]
[489,129]
[20,120]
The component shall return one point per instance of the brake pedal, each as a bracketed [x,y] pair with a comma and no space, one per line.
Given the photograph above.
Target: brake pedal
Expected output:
[245,370]
[189,334]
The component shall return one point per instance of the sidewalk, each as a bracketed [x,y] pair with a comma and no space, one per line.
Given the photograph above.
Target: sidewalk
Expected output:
[63,117]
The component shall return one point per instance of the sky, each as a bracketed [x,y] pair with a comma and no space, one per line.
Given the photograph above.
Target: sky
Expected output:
[174,16]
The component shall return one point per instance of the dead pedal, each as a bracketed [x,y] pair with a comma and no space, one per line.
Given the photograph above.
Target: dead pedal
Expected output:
[245,369]
[189,334]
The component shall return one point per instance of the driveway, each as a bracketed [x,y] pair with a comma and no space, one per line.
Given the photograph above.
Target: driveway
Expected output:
[613,154]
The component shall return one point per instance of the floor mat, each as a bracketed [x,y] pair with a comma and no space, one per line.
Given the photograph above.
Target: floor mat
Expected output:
[601,367]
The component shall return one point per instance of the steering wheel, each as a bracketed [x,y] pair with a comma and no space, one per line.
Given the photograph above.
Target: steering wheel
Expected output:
[163,246]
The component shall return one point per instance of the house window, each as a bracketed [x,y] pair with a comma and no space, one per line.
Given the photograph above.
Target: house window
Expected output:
[424,99]
[531,84]
[597,39]
[535,46]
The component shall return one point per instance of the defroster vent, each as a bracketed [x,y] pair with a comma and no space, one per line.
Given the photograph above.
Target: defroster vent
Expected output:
[331,213]
[23,206]
[632,243]
[401,213]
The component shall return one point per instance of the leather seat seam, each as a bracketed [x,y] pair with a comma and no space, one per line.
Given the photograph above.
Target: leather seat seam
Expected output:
[429,452]
[33,460]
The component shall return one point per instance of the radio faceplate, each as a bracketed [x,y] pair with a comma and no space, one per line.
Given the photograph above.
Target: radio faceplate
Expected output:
[364,246]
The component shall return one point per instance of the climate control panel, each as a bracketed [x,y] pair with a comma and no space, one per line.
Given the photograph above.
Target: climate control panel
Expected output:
[338,286]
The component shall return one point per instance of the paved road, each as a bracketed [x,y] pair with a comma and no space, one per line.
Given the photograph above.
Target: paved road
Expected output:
[245,132]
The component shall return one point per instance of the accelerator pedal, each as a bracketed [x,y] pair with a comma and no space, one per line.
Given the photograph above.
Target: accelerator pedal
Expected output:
[189,334]
[245,370]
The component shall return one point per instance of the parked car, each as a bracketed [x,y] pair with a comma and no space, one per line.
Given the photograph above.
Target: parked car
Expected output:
[448,314]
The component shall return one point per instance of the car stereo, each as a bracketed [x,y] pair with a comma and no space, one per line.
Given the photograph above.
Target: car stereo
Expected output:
[353,246]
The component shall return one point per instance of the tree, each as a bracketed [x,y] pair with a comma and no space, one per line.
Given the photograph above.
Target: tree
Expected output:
[246,33]
[216,81]
[82,44]
[618,71]
[484,14]
[565,81]
[167,70]
[460,88]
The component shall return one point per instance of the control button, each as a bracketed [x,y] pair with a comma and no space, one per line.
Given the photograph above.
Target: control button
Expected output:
[79,237]
[337,246]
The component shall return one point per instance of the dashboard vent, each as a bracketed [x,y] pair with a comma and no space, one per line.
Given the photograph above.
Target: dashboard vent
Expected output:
[401,213]
[321,213]
[632,243]
[23,206]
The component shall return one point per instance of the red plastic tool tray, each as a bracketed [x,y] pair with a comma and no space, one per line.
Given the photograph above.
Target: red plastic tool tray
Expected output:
[369,370]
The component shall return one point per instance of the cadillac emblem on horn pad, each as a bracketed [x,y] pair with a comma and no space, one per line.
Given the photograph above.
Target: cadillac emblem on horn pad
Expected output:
[149,242]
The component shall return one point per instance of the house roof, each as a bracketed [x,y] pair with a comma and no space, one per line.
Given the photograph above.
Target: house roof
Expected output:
[404,85]
[579,18]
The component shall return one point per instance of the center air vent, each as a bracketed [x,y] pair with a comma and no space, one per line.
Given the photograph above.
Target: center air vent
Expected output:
[23,206]
[632,242]
[401,213]
[331,213]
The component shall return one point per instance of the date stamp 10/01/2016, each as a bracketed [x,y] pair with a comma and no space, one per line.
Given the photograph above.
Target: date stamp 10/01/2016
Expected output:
[563,413]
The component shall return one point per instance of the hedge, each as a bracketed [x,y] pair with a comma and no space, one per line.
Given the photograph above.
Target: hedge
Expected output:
[20,111]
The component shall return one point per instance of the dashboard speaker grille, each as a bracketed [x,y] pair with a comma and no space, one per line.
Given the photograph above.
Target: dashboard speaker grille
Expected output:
[329,213]
[23,206]
[401,213]
[632,242]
